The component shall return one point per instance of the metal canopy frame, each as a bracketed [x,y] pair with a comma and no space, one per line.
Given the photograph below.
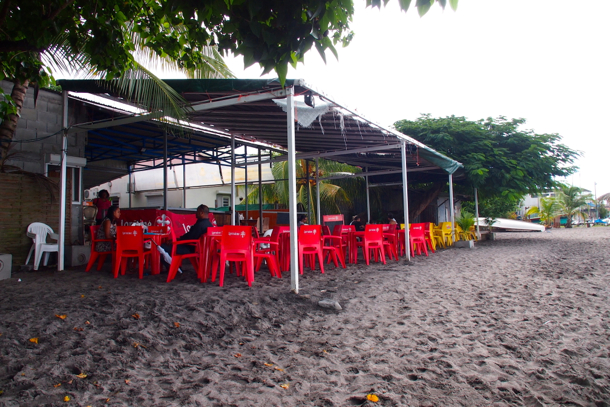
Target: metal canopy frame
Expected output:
[227,114]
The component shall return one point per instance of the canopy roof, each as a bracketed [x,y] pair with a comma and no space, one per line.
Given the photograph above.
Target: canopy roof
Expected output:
[254,113]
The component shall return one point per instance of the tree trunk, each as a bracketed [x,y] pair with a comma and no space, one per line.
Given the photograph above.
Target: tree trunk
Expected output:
[428,197]
[8,126]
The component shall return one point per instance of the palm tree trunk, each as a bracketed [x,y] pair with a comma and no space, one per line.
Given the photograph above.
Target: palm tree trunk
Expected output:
[8,126]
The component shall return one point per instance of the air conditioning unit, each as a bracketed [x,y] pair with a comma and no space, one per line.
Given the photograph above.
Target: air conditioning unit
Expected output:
[91,193]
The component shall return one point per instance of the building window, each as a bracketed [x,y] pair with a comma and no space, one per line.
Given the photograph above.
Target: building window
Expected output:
[223,201]
[76,185]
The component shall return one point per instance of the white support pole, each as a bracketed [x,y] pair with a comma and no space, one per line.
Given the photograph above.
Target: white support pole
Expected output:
[451,209]
[368,199]
[165,170]
[183,181]
[246,179]
[476,209]
[62,186]
[233,217]
[292,193]
[405,199]
[318,194]
[260,194]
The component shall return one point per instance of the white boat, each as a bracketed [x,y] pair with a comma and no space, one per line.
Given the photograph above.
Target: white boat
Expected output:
[512,225]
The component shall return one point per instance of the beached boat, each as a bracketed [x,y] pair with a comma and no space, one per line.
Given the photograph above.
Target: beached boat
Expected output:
[512,225]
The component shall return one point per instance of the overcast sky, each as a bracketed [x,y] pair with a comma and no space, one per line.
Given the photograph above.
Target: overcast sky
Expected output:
[546,61]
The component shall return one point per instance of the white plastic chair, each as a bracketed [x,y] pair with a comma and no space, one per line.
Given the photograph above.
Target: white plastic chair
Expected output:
[38,232]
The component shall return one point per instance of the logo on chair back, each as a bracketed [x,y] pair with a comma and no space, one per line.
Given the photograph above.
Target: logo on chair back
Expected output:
[241,234]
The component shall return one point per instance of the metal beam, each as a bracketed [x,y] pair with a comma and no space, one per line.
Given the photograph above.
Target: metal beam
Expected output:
[239,100]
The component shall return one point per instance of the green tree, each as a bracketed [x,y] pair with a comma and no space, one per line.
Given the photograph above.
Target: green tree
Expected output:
[102,35]
[499,158]
[548,210]
[335,195]
[571,200]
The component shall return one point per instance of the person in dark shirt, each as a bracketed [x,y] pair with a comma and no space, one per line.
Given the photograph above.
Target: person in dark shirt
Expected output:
[357,223]
[199,229]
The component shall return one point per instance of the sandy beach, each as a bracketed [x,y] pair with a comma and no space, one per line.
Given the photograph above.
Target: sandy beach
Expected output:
[523,320]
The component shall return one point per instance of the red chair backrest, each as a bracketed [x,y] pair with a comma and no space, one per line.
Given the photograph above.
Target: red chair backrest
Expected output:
[310,235]
[417,229]
[215,231]
[130,238]
[276,232]
[326,229]
[373,232]
[236,239]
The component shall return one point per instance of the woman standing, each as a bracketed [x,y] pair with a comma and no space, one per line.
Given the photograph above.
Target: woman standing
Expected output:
[103,203]
[107,229]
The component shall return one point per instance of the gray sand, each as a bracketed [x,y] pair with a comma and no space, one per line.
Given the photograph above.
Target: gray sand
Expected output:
[523,320]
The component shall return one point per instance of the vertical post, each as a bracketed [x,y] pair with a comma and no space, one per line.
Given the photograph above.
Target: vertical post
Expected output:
[405,199]
[308,189]
[62,186]
[183,181]
[451,209]
[246,178]
[129,184]
[368,198]
[260,193]
[318,194]
[292,193]
[476,209]
[165,170]
[233,221]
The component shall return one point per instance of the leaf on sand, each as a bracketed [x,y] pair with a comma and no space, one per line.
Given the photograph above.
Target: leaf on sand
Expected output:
[279,369]
[269,364]
[126,381]
[81,375]
[237,355]
[62,316]
[177,324]
[77,329]
[372,397]
[100,287]
[285,386]
[67,398]
[136,316]
[87,322]
[82,296]
[57,385]
[34,340]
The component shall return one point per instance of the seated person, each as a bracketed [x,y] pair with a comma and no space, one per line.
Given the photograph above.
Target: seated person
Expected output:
[302,220]
[357,223]
[391,220]
[199,229]
[107,229]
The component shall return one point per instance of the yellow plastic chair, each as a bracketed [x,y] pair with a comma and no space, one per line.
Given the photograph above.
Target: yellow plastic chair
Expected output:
[458,233]
[473,233]
[446,233]
[434,239]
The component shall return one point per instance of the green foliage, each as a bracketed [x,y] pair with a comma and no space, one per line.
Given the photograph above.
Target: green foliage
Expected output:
[499,158]
[571,201]
[7,106]
[602,211]
[548,210]
[465,219]
[494,207]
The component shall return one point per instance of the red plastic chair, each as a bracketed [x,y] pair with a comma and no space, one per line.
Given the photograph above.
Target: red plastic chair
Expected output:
[277,247]
[373,240]
[177,259]
[209,251]
[390,240]
[417,238]
[310,243]
[268,256]
[129,243]
[94,253]
[334,246]
[235,246]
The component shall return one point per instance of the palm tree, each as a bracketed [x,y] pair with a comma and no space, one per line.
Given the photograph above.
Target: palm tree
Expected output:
[335,195]
[549,208]
[571,200]
[139,84]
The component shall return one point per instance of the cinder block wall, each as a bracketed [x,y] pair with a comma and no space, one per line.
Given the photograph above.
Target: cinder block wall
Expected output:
[26,200]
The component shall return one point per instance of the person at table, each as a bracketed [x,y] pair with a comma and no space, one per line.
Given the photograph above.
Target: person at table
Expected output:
[357,223]
[391,219]
[302,220]
[107,229]
[199,229]
[103,203]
